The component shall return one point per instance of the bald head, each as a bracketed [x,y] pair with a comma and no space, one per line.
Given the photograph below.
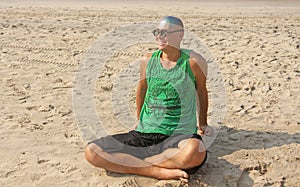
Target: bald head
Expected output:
[173,21]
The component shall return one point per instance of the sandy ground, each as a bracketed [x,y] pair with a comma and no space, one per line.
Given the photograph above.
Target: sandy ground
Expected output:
[254,45]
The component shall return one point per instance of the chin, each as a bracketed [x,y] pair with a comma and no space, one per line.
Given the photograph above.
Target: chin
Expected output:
[162,47]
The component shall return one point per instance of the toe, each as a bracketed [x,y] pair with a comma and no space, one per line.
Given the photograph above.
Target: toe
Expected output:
[184,180]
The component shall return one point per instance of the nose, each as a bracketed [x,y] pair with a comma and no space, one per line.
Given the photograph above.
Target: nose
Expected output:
[158,37]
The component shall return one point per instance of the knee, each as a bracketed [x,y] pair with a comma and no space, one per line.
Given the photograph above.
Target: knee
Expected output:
[90,155]
[192,159]
[193,156]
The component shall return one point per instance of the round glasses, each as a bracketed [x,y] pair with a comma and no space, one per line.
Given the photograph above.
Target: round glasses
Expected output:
[163,33]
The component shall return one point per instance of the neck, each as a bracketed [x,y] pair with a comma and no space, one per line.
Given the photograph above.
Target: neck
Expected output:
[171,54]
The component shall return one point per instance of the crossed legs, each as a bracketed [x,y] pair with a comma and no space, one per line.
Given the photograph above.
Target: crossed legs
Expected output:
[167,165]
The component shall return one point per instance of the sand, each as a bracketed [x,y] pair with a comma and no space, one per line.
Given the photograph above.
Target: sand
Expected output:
[252,49]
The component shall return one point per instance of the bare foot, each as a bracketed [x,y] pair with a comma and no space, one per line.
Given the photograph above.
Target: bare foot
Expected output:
[172,174]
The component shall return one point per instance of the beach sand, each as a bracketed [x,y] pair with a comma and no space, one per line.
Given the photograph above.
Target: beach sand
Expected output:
[252,49]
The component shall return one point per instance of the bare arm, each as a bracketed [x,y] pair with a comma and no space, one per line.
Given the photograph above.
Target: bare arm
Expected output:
[199,68]
[142,86]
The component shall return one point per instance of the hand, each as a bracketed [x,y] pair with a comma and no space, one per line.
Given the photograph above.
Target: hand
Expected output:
[206,130]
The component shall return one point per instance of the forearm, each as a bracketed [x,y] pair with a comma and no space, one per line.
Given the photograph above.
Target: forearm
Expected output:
[140,97]
[202,107]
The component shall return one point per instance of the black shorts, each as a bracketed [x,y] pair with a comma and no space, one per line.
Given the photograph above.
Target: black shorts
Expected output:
[143,145]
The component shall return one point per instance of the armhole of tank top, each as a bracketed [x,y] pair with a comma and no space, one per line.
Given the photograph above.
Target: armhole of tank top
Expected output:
[191,73]
[150,61]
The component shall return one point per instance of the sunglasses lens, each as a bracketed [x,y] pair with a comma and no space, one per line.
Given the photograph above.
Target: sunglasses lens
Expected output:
[163,33]
[156,32]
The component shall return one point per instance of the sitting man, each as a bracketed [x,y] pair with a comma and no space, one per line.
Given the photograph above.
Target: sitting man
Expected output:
[171,91]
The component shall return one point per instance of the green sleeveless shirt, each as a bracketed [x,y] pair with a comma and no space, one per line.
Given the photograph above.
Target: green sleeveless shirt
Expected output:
[170,101]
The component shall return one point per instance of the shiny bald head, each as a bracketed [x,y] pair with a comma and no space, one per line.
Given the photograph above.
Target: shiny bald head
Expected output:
[174,21]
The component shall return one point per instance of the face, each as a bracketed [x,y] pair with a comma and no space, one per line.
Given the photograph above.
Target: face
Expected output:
[168,35]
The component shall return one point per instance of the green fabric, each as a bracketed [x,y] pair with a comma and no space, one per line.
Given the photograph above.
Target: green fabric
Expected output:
[170,102]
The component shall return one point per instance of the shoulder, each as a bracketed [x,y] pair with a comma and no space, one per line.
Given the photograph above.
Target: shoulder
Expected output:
[198,63]
[145,59]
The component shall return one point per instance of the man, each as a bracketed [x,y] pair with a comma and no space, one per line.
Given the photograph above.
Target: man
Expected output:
[165,143]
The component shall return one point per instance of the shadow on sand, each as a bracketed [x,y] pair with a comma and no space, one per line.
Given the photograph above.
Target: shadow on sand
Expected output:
[230,140]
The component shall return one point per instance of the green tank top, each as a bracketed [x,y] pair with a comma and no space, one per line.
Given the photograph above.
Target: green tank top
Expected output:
[170,102]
